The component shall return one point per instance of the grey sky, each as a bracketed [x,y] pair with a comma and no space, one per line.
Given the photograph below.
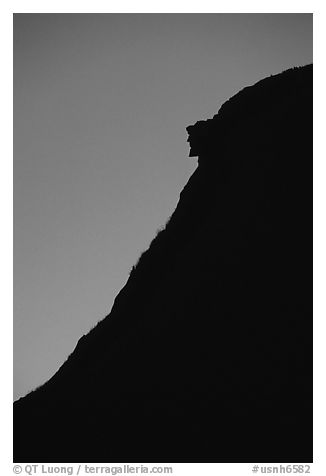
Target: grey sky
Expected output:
[101,102]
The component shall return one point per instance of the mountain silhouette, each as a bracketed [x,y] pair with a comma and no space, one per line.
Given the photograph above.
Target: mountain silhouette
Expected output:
[206,355]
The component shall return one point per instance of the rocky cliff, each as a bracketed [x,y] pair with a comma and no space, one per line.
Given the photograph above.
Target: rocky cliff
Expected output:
[207,352]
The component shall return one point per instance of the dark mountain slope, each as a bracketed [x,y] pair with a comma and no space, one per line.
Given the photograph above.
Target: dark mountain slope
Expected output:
[207,352]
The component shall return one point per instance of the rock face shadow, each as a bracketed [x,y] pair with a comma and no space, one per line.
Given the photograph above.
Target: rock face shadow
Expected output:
[206,355]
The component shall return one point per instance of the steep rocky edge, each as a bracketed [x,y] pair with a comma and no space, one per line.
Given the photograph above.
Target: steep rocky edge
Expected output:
[207,352]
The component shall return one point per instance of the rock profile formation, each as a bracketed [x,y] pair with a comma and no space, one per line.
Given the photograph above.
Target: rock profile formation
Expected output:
[206,355]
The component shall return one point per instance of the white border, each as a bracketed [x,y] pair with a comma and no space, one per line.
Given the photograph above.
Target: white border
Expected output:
[138,6]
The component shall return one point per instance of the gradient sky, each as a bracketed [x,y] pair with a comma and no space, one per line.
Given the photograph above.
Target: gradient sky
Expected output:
[101,102]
